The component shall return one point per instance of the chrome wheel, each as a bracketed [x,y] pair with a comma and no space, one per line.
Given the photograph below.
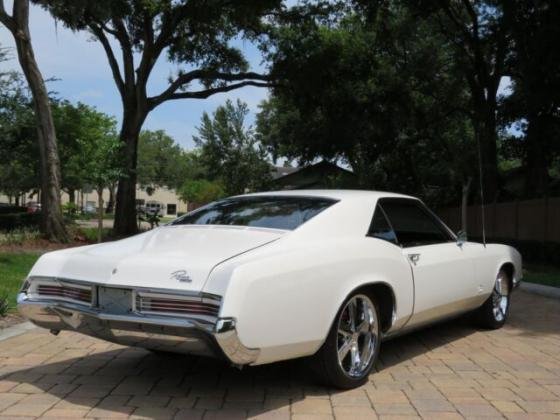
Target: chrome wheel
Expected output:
[500,297]
[357,336]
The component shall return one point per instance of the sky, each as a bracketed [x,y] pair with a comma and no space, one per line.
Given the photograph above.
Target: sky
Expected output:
[80,66]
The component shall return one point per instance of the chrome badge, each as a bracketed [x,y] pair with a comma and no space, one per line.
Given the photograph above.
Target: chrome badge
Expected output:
[182,276]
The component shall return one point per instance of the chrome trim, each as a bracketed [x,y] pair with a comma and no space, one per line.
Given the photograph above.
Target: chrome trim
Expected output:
[228,340]
[213,337]
[128,286]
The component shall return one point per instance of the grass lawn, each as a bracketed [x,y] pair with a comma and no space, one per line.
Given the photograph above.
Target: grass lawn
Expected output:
[13,269]
[542,274]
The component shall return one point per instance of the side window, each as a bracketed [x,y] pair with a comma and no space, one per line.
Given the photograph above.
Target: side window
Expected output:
[413,224]
[380,227]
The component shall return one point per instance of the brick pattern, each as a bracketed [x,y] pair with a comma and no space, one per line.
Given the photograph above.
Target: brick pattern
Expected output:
[449,371]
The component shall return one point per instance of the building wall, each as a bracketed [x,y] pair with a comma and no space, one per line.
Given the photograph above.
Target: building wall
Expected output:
[163,195]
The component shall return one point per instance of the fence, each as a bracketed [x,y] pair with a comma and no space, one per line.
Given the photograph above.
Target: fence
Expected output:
[530,220]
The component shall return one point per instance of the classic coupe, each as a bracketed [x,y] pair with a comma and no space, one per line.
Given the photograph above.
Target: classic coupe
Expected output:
[265,277]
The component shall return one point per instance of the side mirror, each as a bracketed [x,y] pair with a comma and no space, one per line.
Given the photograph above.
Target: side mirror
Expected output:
[461,238]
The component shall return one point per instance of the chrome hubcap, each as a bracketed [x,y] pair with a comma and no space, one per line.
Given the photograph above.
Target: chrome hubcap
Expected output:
[358,332]
[500,297]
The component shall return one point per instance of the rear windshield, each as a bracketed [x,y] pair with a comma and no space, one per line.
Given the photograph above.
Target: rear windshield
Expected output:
[273,212]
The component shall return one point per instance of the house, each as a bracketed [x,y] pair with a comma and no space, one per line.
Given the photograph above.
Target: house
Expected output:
[317,176]
[168,198]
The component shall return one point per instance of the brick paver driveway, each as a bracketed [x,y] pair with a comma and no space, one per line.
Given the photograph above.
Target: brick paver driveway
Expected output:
[448,371]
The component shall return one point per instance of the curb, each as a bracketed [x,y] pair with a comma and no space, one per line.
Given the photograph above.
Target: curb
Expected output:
[16,330]
[539,289]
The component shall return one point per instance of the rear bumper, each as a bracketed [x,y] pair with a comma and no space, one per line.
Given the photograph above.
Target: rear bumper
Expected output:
[173,334]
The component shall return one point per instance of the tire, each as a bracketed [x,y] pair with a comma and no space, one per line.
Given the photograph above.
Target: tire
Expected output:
[494,312]
[359,340]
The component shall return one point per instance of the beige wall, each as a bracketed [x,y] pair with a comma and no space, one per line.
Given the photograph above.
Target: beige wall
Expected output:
[163,195]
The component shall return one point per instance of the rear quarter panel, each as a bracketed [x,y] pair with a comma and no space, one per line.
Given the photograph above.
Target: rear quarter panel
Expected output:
[286,298]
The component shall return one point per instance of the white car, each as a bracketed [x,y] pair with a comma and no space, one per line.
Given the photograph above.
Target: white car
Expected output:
[265,277]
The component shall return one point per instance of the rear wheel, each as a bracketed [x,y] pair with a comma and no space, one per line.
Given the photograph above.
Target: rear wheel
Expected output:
[494,312]
[346,358]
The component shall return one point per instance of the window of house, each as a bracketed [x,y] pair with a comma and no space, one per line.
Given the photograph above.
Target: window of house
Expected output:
[413,224]
[171,208]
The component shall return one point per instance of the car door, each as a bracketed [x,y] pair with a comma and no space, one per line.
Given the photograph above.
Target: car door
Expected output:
[443,271]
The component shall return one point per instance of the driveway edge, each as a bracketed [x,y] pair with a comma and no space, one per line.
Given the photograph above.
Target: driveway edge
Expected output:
[16,330]
[540,289]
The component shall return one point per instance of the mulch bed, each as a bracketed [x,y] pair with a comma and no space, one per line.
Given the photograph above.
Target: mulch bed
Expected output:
[12,318]
[39,246]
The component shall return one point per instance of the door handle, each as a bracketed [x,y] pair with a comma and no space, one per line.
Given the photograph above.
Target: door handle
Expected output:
[414,258]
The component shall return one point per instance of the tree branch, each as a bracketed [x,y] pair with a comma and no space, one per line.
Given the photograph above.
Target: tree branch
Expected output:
[98,32]
[6,19]
[126,47]
[203,94]
[186,78]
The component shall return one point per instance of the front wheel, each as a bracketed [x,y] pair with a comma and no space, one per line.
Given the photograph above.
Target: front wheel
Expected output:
[494,312]
[347,357]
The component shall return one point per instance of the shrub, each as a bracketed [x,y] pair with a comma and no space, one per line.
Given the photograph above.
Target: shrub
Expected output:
[13,221]
[4,306]
[12,209]
[19,236]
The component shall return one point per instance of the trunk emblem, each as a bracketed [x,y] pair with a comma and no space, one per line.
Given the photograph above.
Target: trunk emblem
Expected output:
[182,276]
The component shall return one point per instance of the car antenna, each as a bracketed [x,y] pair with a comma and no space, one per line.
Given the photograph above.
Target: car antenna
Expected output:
[477,135]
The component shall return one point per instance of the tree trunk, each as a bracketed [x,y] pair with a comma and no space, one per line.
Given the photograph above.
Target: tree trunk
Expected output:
[72,196]
[52,223]
[99,214]
[465,204]
[125,210]
[536,182]
[111,203]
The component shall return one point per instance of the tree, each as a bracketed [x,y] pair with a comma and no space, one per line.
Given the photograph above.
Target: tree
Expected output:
[195,35]
[230,152]
[377,91]
[161,161]
[478,32]
[52,222]
[201,191]
[101,159]
[19,166]
[535,100]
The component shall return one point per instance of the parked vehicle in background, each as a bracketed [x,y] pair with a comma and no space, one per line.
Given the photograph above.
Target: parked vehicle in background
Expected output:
[33,207]
[154,208]
[266,277]
[89,208]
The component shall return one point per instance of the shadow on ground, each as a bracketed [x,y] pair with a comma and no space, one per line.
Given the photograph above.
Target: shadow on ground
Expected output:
[120,379]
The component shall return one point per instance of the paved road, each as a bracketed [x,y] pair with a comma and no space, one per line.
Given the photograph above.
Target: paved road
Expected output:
[448,371]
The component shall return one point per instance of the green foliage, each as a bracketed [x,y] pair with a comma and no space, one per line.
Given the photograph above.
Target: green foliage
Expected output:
[12,221]
[201,191]
[19,166]
[230,152]
[14,267]
[161,161]
[381,95]
[4,305]
[12,209]
[19,236]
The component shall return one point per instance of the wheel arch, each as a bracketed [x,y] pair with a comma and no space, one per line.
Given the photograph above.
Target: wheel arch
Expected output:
[509,268]
[384,296]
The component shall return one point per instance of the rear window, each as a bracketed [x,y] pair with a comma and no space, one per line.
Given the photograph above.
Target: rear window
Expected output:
[272,212]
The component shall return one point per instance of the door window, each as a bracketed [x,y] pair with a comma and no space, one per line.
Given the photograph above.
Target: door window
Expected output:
[380,227]
[413,224]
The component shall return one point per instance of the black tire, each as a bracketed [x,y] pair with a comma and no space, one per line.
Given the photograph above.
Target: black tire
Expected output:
[494,312]
[326,361]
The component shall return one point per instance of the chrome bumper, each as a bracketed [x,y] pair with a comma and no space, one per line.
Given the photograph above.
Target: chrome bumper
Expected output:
[173,334]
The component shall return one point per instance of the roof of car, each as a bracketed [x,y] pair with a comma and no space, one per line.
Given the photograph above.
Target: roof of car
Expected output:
[336,194]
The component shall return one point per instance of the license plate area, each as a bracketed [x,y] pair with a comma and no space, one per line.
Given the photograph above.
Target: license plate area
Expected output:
[114,300]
